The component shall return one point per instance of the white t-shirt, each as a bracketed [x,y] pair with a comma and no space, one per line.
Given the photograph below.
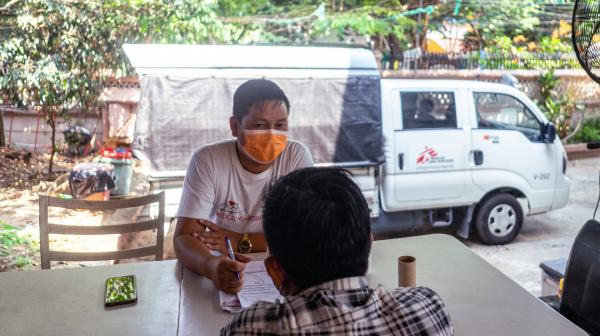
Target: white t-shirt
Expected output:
[218,188]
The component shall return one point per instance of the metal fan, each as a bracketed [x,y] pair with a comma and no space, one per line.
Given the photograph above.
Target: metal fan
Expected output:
[586,36]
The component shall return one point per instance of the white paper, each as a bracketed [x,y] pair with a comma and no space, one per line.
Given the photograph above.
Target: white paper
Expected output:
[229,302]
[258,285]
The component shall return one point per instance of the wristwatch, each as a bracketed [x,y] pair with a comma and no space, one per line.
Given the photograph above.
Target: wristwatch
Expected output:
[245,245]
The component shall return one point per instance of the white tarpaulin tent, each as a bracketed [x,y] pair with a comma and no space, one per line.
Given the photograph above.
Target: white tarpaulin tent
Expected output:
[187,91]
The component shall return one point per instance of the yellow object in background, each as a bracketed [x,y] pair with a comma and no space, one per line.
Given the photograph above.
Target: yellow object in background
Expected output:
[531,46]
[564,29]
[519,39]
[434,47]
[560,287]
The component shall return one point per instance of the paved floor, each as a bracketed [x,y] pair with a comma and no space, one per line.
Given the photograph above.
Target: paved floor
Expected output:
[550,235]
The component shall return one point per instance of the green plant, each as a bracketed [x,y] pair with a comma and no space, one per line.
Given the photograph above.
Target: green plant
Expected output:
[559,109]
[553,45]
[9,237]
[23,261]
[590,131]
[487,20]
[548,82]
[55,54]
[559,113]
[17,250]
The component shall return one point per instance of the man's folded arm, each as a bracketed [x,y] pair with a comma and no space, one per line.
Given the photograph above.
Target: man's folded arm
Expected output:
[192,253]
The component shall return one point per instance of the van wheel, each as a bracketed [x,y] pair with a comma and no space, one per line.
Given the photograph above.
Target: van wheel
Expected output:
[499,219]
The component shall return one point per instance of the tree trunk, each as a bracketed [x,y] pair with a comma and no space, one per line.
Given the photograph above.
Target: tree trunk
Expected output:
[2,139]
[52,123]
[577,128]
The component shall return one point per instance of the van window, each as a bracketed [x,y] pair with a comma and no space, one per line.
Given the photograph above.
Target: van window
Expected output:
[502,111]
[428,109]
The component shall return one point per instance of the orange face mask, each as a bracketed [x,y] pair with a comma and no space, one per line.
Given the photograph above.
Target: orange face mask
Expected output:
[264,146]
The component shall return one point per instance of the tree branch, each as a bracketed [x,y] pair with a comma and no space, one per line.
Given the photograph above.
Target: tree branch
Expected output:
[577,128]
[8,6]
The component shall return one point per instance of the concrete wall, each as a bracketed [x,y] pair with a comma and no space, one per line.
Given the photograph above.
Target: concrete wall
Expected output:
[24,126]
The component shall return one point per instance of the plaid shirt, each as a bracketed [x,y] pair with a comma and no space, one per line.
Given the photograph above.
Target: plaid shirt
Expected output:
[347,307]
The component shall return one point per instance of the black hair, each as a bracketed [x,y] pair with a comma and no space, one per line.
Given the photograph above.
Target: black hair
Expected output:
[426,105]
[317,225]
[256,91]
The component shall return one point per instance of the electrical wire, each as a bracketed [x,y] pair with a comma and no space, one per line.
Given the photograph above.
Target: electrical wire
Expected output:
[594,218]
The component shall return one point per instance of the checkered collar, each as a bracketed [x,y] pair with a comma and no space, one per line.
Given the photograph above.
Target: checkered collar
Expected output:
[343,284]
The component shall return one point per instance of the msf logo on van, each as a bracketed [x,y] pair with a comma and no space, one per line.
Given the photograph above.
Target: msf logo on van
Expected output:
[430,159]
[426,155]
[493,138]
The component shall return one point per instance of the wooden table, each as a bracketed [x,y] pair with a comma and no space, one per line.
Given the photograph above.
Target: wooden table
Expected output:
[71,301]
[171,301]
[481,300]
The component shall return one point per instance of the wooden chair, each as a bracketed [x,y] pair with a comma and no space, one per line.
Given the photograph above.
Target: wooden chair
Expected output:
[48,228]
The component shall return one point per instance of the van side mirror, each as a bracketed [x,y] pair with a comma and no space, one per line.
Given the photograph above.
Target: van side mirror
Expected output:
[549,133]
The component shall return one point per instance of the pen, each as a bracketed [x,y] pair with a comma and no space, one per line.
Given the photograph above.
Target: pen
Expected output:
[231,255]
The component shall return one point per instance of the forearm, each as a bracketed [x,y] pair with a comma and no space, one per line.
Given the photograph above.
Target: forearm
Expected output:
[193,254]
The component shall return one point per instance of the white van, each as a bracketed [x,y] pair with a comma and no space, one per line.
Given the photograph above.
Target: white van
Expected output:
[426,153]
[484,146]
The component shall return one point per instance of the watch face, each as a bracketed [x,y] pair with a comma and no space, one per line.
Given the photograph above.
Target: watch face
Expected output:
[245,246]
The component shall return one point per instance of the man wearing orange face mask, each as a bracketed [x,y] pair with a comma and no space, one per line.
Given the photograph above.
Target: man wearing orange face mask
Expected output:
[225,183]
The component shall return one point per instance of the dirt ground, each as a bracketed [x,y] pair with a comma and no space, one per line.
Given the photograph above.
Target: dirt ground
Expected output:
[19,208]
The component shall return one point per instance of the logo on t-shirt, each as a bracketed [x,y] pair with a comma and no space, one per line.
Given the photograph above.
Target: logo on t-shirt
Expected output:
[230,208]
[231,211]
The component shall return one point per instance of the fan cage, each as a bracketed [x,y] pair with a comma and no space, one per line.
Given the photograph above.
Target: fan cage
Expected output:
[586,36]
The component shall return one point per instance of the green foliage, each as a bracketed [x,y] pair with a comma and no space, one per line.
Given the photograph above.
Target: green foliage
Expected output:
[548,82]
[57,53]
[23,261]
[185,21]
[552,45]
[304,22]
[590,131]
[559,109]
[244,8]
[9,237]
[16,249]
[559,112]
[487,22]
[370,21]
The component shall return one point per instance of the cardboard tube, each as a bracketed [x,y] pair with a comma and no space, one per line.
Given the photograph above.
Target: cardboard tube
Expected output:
[407,271]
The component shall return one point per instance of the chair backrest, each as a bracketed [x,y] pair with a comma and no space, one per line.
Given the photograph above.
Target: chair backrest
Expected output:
[47,228]
[580,301]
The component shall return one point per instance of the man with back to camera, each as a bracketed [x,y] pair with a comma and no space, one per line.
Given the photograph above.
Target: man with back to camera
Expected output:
[225,182]
[317,226]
